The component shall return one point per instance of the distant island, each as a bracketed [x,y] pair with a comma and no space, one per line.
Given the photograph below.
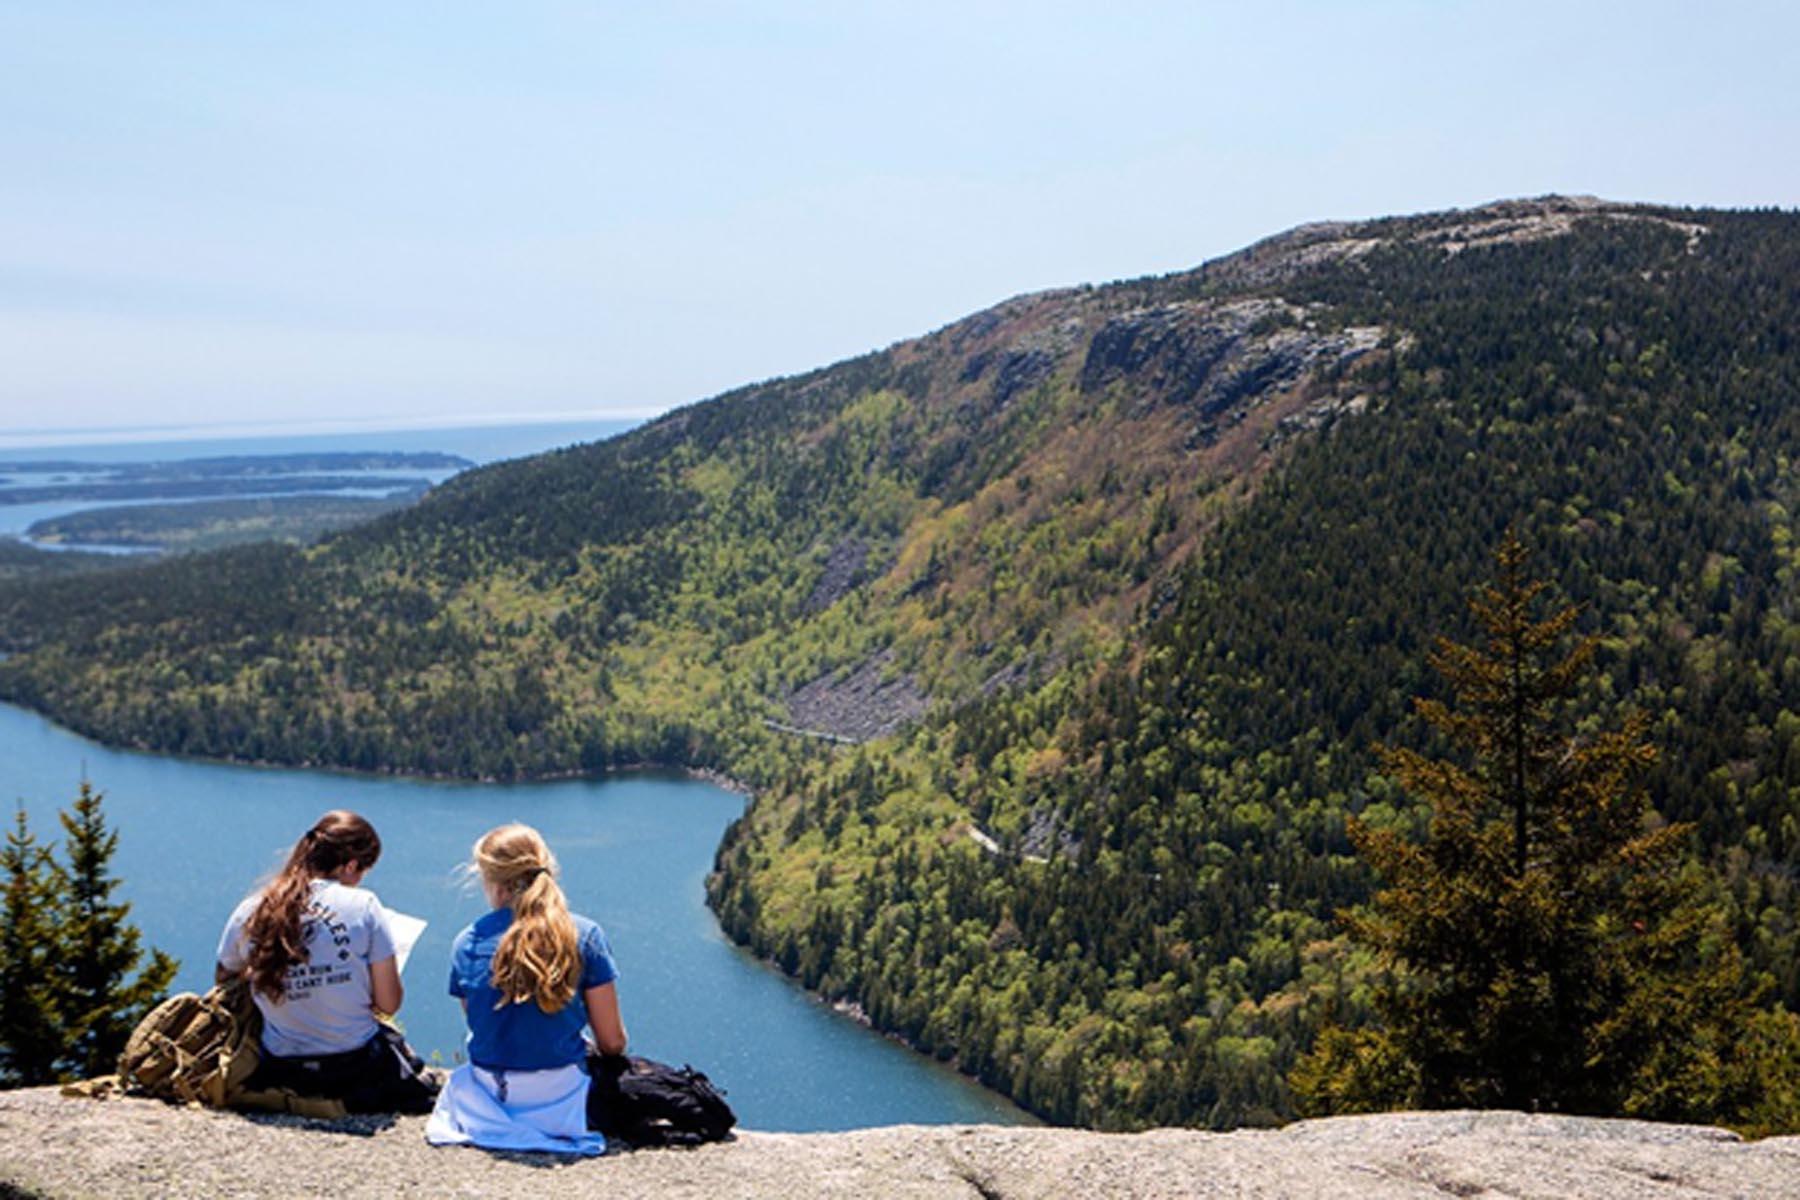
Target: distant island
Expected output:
[212,524]
[203,503]
[234,476]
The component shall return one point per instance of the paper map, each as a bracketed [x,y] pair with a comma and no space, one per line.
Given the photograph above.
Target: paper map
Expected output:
[406,930]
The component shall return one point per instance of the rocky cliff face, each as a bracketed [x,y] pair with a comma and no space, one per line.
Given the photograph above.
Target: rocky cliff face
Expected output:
[61,1148]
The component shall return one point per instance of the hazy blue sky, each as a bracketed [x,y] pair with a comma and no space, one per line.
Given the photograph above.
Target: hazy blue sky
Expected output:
[393,211]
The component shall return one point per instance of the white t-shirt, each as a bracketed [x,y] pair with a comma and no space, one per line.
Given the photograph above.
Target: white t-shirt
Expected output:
[325,1008]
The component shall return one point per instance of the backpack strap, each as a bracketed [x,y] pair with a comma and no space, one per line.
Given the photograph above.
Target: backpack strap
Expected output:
[103,1087]
[287,1100]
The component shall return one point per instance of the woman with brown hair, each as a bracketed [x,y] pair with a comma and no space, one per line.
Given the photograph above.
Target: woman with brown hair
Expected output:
[532,977]
[319,956]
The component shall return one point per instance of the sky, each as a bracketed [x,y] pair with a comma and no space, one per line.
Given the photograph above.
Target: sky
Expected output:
[330,215]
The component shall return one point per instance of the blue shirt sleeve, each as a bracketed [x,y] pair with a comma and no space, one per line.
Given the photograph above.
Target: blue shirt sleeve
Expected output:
[459,952]
[597,966]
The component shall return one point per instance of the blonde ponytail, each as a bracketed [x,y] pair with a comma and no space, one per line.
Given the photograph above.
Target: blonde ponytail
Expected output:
[539,957]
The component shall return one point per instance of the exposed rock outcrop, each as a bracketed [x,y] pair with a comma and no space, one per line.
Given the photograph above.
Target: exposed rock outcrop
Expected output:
[867,701]
[844,570]
[1218,360]
[60,1149]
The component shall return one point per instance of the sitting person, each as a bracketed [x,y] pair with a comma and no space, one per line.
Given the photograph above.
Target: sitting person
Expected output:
[319,957]
[532,978]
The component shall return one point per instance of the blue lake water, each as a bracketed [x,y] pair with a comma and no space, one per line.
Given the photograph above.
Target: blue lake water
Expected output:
[194,837]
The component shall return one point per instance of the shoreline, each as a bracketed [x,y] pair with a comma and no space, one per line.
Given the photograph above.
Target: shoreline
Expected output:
[718,778]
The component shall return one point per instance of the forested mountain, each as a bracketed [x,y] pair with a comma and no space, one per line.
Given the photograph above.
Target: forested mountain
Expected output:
[1115,590]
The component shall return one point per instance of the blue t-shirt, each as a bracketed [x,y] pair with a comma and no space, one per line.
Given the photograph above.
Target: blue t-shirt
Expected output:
[523,1037]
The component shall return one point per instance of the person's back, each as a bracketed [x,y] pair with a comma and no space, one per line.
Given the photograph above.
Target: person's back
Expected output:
[325,1004]
[319,955]
[522,1036]
[532,976]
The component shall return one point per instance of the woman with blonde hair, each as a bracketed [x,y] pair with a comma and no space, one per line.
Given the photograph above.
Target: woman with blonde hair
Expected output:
[317,951]
[532,978]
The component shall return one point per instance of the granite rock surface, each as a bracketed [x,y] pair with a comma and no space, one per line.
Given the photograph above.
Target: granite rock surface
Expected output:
[55,1147]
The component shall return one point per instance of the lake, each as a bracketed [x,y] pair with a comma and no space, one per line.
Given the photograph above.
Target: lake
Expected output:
[195,837]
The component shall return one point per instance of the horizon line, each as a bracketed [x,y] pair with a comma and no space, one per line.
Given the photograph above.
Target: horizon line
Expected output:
[26,439]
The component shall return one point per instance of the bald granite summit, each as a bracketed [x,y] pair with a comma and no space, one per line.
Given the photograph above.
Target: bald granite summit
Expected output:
[59,1148]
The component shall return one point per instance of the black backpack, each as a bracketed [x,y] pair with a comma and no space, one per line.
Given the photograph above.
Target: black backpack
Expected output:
[642,1102]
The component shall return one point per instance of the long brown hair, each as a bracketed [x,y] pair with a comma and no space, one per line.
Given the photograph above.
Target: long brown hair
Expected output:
[275,930]
[539,956]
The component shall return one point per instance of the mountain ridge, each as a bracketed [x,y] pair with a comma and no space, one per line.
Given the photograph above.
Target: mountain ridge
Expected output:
[1005,352]
[1114,589]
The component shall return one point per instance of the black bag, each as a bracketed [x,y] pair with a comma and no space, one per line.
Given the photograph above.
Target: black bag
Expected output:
[642,1102]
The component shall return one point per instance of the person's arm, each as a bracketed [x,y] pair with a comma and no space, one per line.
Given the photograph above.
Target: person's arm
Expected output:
[604,1019]
[224,974]
[385,992]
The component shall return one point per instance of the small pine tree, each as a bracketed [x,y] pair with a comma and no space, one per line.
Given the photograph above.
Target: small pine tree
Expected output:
[31,1034]
[99,947]
[1546,946]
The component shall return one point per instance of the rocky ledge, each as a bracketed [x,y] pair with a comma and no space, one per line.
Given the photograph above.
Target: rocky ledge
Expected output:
[56,1147]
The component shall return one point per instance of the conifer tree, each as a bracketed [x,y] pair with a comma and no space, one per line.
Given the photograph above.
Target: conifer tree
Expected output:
[99,946]
[1546,946]
[31,1035]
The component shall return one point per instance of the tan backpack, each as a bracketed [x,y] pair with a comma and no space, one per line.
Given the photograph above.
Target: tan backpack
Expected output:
[194,1049]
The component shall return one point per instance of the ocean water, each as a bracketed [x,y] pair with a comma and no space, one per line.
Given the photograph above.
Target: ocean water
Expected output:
[479,444]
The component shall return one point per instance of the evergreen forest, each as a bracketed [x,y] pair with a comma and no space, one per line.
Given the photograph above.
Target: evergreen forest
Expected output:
[1059,648]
